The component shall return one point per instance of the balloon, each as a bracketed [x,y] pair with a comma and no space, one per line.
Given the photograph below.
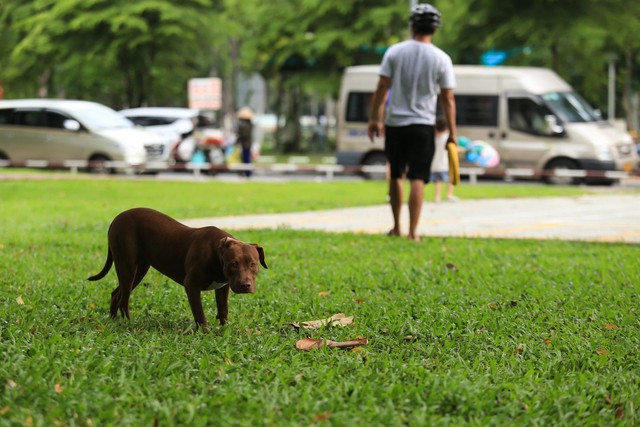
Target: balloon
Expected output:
[487,156]
[479,152]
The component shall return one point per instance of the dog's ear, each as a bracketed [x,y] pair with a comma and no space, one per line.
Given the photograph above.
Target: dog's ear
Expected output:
[224,244]
[260,254]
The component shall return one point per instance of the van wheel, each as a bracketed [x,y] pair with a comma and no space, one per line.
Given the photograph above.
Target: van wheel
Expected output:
[98,166]
[560,165]
[375,159]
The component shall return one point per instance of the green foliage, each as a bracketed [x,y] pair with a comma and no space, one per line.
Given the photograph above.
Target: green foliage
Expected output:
[461,331]
[115,47]
[129,53]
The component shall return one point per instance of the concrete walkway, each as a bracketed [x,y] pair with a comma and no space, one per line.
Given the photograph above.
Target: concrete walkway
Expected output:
[602,218]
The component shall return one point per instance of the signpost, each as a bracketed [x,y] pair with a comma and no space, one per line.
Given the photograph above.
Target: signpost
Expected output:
[205,93]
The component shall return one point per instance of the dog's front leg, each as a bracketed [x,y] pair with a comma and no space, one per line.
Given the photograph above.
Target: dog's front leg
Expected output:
[222,302]
[195,302]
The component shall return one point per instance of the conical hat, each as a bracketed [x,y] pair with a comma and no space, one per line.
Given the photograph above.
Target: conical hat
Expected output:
[245,113]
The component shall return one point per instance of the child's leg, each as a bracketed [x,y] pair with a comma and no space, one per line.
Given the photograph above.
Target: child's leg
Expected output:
[437,185]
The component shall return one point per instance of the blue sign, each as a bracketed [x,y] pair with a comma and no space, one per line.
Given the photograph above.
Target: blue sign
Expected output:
[493,57]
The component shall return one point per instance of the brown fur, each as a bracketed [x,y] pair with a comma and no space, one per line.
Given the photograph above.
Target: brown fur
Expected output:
[197,258]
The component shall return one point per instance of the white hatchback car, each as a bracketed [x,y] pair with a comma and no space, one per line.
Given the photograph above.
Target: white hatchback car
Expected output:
[57,130]
[177,125]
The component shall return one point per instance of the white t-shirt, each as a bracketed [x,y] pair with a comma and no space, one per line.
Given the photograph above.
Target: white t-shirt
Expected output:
[417,71]
[440,161]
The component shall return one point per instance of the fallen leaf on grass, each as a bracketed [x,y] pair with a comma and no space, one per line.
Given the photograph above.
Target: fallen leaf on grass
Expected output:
[324,293]
[4,410]
[322,417]
[307,344]
[19,300]
[451,266]
[11,384]
[58,388]
[521,348]
[619,413]
[611,326]
[602,351]
[339,319]
[547,341]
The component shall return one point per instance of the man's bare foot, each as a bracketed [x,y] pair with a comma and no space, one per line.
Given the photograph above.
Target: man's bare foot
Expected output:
[393,232]
[414,238]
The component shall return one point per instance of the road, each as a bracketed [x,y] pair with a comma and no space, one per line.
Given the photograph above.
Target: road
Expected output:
[599,218]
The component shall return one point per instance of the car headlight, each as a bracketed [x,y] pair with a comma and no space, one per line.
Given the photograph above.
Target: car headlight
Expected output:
[603,152]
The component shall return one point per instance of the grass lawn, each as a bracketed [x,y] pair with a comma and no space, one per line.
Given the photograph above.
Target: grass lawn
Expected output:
[461,331]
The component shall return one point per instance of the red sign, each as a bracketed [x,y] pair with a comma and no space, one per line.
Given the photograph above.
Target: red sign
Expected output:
[205,93]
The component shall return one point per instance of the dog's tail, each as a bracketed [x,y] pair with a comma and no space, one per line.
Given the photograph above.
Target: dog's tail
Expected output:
[105,269]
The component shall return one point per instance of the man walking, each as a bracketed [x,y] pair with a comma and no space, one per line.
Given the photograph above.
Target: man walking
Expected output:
[414,70]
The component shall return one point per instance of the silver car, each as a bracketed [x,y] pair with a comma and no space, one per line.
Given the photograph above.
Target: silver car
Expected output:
[63,130]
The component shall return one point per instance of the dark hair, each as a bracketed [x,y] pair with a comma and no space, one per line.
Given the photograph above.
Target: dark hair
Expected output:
[423,28]
[441,123]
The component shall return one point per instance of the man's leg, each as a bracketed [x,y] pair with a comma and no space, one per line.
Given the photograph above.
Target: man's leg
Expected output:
[416,197]
[395,200]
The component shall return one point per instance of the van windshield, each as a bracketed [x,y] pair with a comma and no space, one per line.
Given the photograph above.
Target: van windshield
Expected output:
[97,118]
[570,107]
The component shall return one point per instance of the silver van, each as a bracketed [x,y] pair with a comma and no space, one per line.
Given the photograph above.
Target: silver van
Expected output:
[532,117]
[61,130]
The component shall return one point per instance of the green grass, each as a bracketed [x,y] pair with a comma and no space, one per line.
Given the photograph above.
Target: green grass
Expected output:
[462,331]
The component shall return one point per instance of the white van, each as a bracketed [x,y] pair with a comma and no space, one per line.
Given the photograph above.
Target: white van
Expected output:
[57,130]
[532,117]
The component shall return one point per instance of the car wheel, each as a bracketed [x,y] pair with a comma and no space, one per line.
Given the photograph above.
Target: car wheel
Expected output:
[560,165]
[98,166]
[375,159]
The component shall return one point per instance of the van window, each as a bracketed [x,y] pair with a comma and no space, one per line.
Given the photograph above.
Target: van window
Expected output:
[55,120]
[34,118]
[476,110]
[525,115]
[5,116]
[359,106]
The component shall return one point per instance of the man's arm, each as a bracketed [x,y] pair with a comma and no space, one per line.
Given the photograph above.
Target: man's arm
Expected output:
[448,102]
[376,126]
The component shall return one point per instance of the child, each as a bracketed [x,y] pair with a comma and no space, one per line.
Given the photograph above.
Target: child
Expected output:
[440,163]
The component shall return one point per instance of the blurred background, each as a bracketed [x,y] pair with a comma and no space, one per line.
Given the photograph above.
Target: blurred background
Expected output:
[285,58]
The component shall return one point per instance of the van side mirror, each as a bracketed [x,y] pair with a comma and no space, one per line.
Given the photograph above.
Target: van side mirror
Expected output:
[552,127]
[72,125]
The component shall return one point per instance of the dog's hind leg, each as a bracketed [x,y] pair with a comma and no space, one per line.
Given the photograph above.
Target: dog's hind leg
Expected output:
[116,295]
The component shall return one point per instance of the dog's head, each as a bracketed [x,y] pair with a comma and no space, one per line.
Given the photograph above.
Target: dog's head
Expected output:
[240,264]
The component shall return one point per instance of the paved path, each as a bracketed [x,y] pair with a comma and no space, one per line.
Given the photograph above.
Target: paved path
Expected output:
[604,218]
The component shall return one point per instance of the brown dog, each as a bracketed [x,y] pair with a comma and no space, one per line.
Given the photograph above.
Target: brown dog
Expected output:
[200,259]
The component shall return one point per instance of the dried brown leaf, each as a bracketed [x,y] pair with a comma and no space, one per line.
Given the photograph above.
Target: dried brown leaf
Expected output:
[58,388]
[307,344]
[602,351]
[547,341]
[619,413]
[4,410]
[452,267]
[324,293]
[325,416]
[11,384]
[611,326]
[19,300]
[521,348]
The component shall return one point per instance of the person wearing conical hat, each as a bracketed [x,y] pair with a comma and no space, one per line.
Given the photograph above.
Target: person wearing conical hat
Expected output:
[244,134]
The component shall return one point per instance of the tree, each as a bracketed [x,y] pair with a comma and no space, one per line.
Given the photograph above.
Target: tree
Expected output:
[113,46]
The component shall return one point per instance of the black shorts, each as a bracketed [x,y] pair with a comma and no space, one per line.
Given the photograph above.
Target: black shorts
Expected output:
[410,149]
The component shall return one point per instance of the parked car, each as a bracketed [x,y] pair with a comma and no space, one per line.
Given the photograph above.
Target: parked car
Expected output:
[177,125]
[58,130]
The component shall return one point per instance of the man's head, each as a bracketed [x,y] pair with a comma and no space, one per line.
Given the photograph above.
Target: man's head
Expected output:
[425,19]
